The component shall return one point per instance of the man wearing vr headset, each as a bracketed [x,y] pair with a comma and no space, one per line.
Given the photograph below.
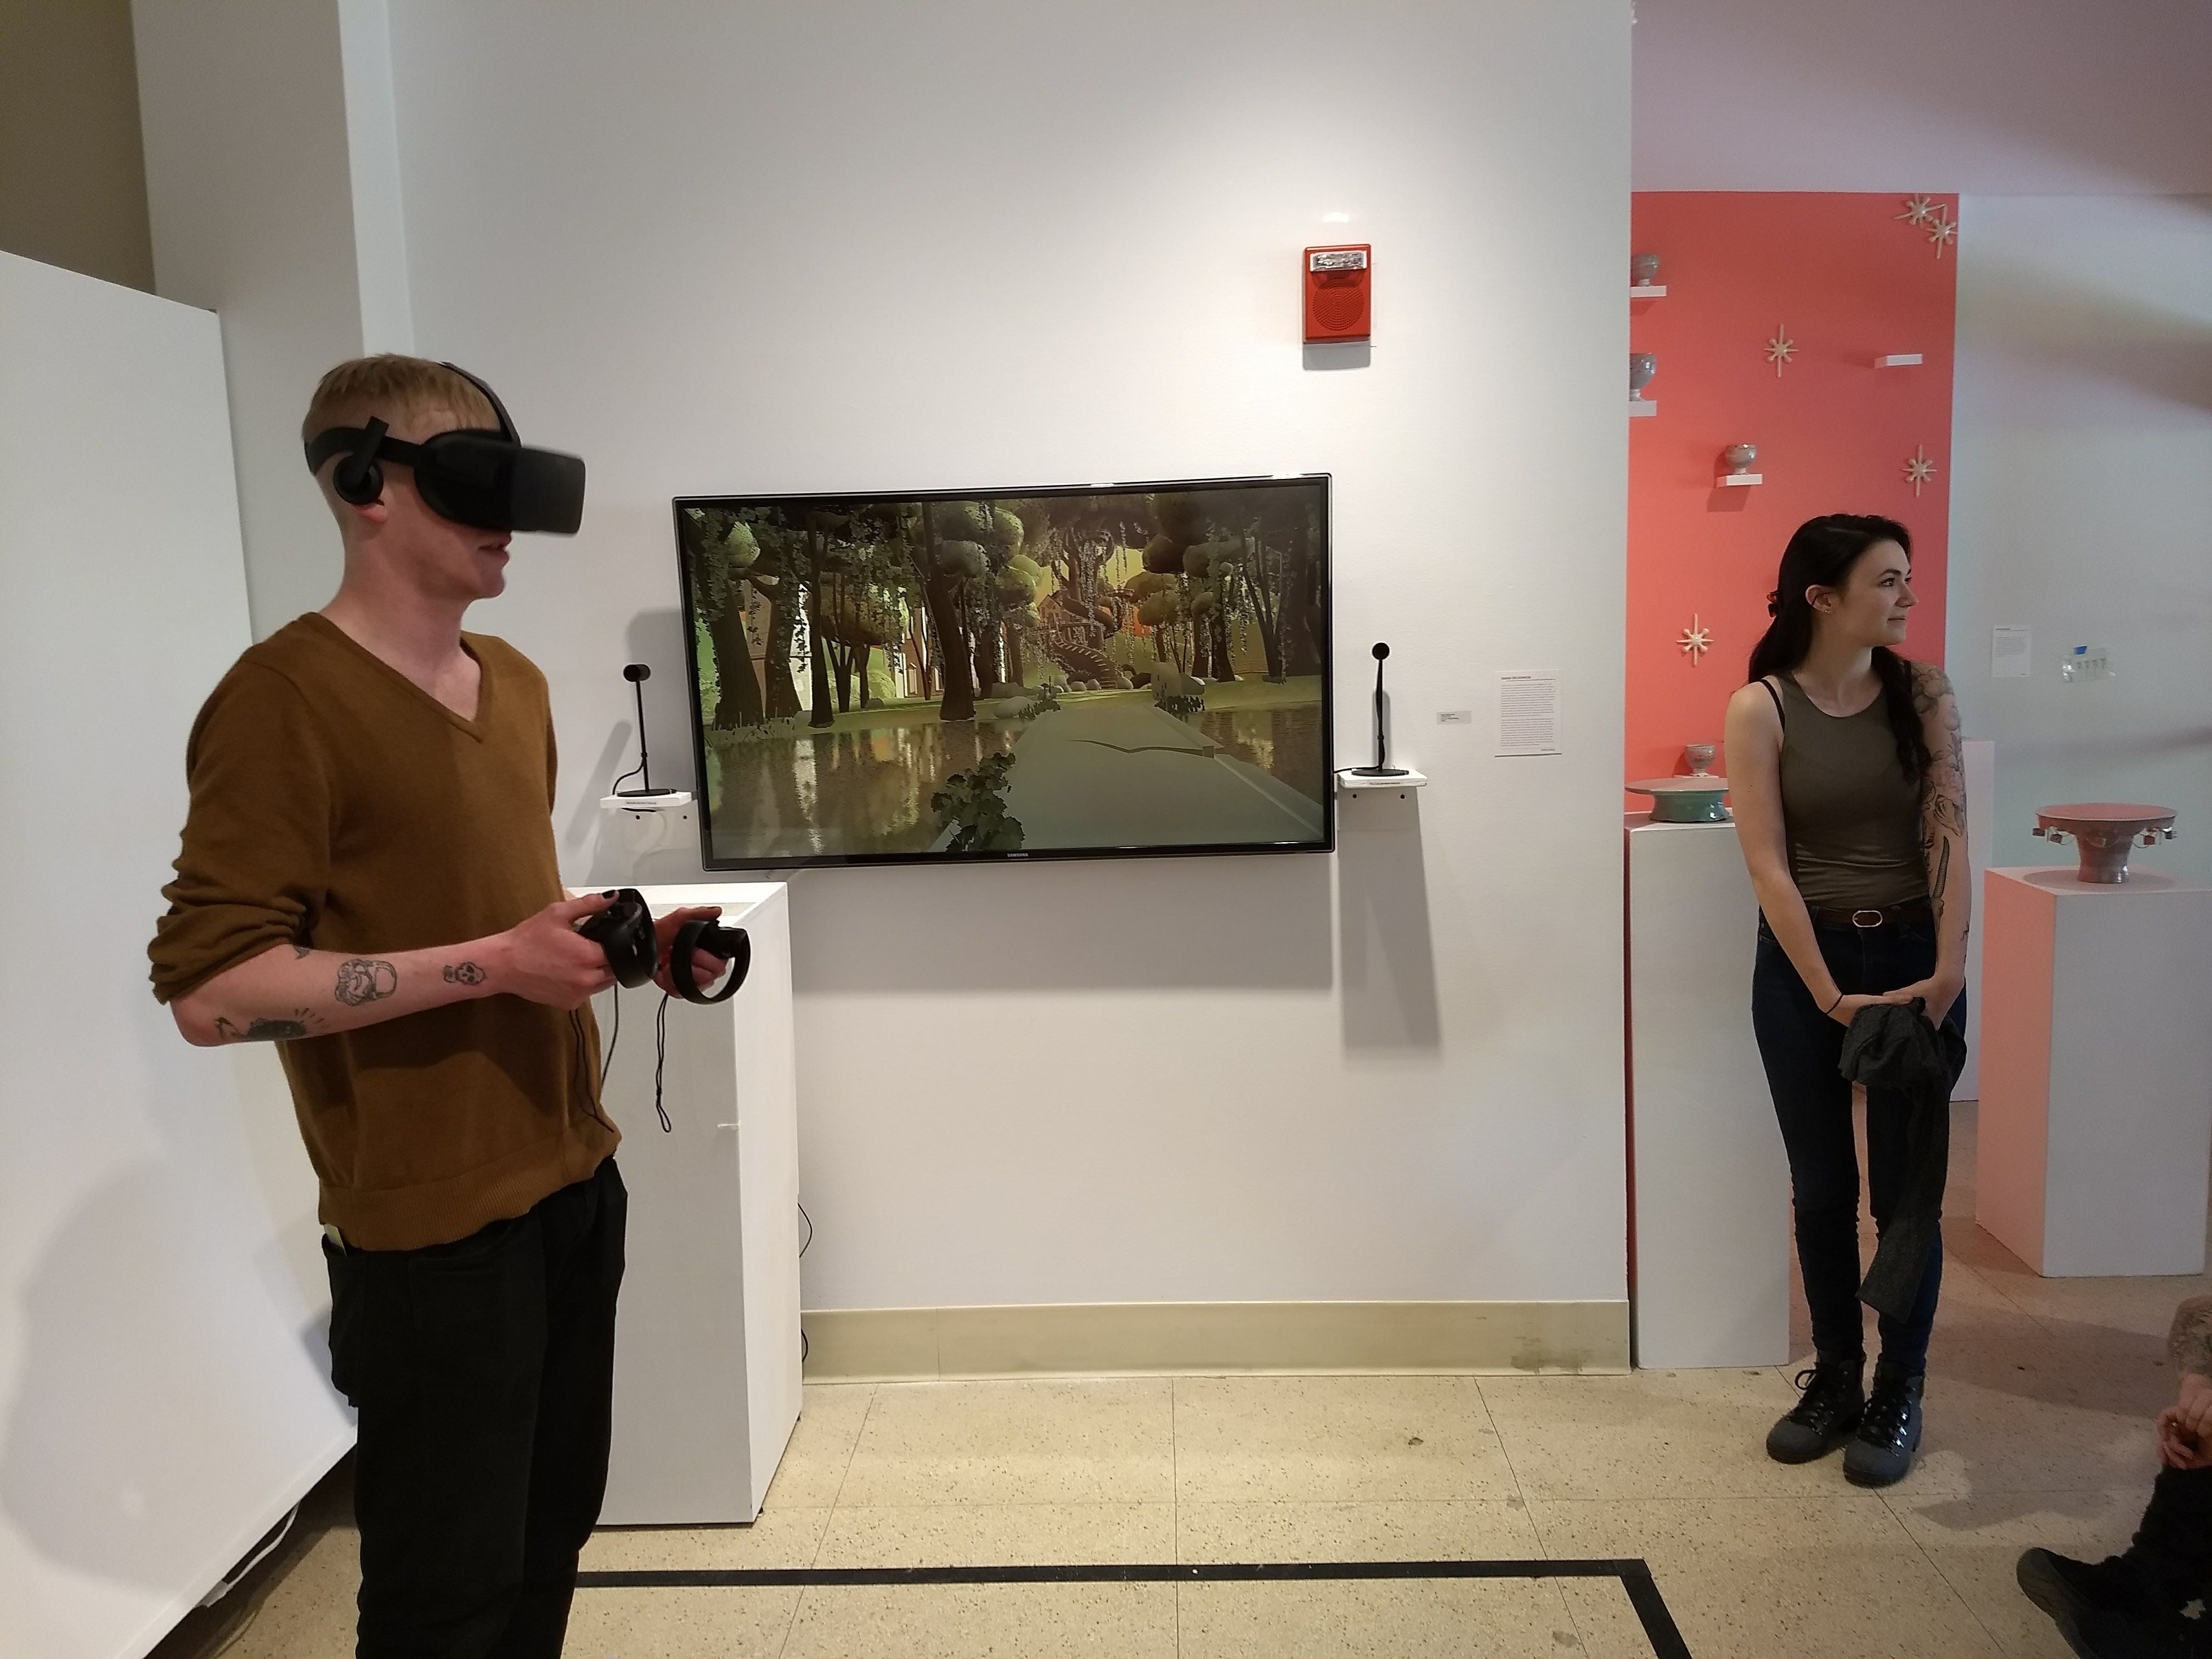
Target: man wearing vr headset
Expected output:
[367,878]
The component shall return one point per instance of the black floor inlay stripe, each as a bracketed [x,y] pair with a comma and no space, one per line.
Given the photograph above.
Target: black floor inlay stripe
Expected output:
[1635,1579]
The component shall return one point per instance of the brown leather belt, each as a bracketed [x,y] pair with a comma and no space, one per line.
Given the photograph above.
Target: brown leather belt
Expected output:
[1894,915]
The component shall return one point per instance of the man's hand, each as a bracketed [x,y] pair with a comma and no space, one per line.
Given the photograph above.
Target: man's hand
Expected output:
[2181,1447]
[2193,1410]
[706,968]
[546,960]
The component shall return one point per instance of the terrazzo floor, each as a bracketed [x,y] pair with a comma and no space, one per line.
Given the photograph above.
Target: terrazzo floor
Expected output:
[2040,1398]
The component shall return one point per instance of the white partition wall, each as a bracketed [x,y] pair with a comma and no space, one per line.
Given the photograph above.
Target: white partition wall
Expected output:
[163,1357]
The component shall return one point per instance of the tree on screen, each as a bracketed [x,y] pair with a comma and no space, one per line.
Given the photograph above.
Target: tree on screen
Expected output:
[778,574]
[946,557]
[724,560]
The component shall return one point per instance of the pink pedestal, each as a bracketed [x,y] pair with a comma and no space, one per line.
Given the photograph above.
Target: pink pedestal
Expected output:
[2096,1116]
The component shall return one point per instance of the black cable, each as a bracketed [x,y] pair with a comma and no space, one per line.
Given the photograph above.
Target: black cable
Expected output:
[581,1073]
[660,1063]
[803,1249]
[615,788]
[607,1059]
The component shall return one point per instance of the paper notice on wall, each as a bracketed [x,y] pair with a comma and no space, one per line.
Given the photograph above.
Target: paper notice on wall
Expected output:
[2009,652]
[1528,714]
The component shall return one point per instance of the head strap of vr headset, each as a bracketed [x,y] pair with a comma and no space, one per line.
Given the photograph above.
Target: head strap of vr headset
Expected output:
[374,442]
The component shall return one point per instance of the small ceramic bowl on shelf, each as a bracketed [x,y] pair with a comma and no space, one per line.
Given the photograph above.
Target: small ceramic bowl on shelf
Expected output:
[1684,800]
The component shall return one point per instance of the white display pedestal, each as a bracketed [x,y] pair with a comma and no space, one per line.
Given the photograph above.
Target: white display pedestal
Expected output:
[707,1384]
[1712,1187]
[2096,1115]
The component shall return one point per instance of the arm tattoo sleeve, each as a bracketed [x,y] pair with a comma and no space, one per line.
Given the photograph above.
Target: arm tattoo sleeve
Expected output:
[265,1031]
[2189,1341]
[1943,810]
[361,981]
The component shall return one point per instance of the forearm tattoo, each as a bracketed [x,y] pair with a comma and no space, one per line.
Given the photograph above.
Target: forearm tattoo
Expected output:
[1943,795]
[361,981]
[463,973]
[2189,1341]
[265,1031]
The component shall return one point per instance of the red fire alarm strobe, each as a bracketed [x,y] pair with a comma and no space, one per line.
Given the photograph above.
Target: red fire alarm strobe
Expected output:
[1336,293]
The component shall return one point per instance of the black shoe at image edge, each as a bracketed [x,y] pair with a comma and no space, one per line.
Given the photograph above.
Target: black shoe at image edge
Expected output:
[2099,1608]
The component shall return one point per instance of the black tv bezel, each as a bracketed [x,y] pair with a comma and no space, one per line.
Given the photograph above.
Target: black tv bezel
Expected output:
[708,862]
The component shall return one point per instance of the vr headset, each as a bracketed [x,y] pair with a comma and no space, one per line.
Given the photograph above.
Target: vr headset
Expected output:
[488,479]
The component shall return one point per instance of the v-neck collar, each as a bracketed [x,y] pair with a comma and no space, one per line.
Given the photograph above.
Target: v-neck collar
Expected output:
[474,728]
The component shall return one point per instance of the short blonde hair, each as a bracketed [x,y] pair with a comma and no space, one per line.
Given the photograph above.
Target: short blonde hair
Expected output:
[395,388]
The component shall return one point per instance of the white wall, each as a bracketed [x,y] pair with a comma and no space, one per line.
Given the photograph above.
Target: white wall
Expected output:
[876,245]
[2011,97]
[2082,504]
[163,1396]
[270,161]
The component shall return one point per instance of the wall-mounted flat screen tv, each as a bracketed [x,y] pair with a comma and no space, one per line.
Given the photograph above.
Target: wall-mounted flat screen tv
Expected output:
[1082,672]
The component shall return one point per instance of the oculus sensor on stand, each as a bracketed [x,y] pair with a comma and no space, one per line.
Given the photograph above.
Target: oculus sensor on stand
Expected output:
[1381,768]
[637,674]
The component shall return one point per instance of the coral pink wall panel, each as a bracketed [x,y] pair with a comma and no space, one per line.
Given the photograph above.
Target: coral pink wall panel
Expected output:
[1848,281]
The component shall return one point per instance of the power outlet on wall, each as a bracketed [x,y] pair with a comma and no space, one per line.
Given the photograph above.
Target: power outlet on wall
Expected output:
[2087,662]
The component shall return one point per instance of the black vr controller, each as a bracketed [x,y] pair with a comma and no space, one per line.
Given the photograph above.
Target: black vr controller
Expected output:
[490,480]
[734,945]
[624,931]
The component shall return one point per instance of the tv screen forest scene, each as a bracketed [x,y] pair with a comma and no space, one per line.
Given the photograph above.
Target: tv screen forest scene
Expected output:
[1072,671]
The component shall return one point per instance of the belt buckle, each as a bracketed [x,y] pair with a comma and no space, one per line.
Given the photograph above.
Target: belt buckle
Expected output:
[1866,920]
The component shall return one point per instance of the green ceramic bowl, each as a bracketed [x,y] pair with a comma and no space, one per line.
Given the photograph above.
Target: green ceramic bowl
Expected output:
[1684,800]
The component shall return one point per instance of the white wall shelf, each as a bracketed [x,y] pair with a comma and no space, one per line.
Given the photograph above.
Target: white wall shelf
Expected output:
[1647,291]
[1351,783]
[1730,480]
[1643,406]
[1897,360]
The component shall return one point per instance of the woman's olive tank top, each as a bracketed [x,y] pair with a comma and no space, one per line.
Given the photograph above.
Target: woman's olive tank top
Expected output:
[1851,818]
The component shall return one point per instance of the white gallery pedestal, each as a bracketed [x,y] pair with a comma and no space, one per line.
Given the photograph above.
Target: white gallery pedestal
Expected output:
[1711,1193]
[707,1384]
[2096,1114]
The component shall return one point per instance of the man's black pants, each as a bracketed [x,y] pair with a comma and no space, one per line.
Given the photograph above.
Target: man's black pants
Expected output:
[484,1373]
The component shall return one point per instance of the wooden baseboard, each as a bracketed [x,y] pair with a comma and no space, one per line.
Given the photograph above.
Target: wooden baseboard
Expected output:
[856,1345]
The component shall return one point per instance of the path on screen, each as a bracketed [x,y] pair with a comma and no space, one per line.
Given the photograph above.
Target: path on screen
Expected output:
[1129,774]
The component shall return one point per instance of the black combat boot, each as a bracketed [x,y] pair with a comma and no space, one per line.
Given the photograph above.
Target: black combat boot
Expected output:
[1880,1452]
[1825,1415]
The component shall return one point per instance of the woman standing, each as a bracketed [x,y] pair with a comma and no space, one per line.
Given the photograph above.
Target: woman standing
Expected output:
[1844,767]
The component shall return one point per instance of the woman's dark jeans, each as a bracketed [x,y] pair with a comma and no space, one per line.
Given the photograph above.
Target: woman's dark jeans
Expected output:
[1801,1048]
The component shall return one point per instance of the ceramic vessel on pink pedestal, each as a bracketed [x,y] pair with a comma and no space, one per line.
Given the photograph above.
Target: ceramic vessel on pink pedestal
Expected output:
[2104,831]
